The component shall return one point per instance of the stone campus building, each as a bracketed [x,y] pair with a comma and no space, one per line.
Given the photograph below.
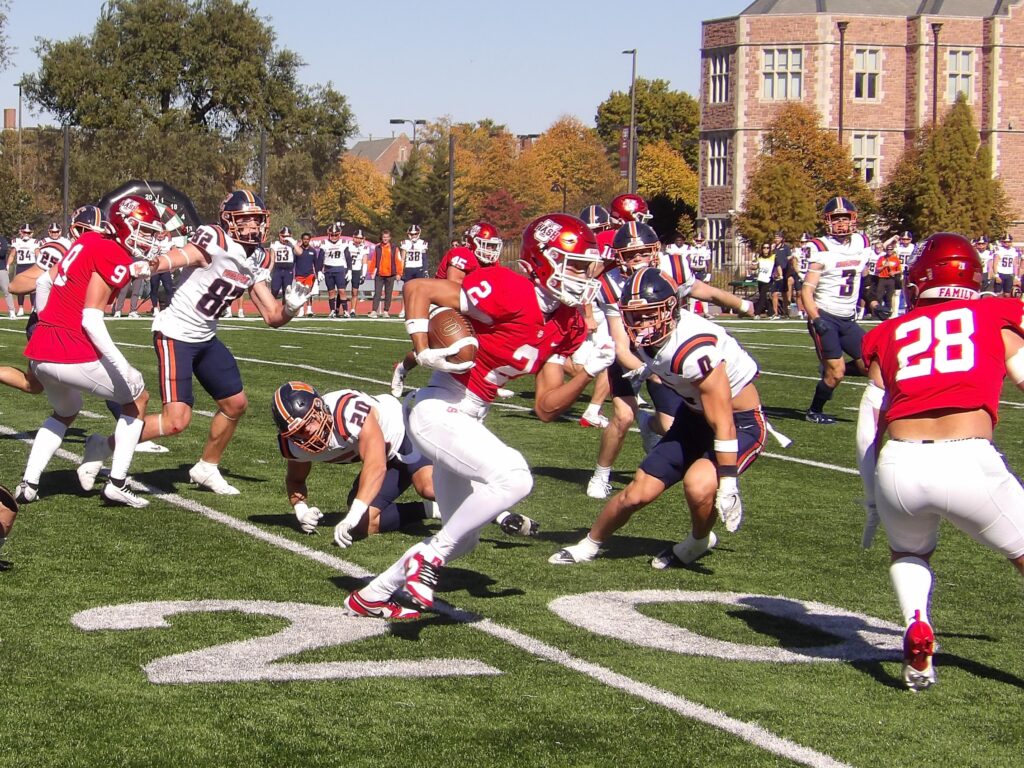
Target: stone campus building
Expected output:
[779,50]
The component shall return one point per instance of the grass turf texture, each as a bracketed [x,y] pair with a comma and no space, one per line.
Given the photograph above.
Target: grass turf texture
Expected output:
[73,697]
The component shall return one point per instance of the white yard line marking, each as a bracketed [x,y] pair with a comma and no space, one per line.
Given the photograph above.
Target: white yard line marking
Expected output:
[749,732]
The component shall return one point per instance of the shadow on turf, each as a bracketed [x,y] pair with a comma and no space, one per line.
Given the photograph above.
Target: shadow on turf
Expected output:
[578,477]
[794,414]
[626,547]
[169,478]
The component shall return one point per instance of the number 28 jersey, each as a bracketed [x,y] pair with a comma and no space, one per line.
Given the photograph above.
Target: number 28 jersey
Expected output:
[205,292]
[516,337]
[945,355]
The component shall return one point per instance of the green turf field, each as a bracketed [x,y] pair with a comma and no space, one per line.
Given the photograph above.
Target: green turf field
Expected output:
[207,630]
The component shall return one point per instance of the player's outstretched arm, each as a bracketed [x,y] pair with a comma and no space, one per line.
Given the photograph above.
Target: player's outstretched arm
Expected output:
[726,300]
[555,395]
[274,313]
[25,282]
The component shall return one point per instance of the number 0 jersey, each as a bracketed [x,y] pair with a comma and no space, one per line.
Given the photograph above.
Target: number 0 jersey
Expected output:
[205,292]
[944,355]
[350,409]
[693,350]
[838,286]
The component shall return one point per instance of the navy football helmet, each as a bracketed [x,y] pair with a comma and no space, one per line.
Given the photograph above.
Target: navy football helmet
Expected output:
[840,217]
[88,218]
[596,217]
[648,303]
[244,217]
[302,417]
[636,246]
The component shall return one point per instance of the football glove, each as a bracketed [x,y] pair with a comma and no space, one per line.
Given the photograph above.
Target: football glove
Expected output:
[728,504]
[307,516]
[594,358]
[820,326]
[295,296]
[638,375]
[343,534]
[437,358]
[260,275]
[139,269]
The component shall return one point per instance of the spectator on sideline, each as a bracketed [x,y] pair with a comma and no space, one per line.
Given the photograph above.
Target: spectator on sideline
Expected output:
[387,267]
[888,269]
[764,269]
[780,288]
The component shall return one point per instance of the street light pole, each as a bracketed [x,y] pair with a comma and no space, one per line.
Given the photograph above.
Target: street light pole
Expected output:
[936,28]
[413,123]
[561,187]
[842,73]
[632,124]
[451,186]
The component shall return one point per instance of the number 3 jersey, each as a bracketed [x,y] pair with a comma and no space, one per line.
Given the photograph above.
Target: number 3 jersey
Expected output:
[205,292]
[516,337]
[350,409]
[838,286]
[692,351]
[944,355]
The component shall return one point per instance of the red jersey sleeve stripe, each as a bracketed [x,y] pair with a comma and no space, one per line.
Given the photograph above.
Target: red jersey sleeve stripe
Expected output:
[691,345]
[818,244]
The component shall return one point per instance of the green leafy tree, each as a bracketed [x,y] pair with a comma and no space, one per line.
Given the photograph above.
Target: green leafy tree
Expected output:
[795,136]
[670,187]
[662,115]
[779,198]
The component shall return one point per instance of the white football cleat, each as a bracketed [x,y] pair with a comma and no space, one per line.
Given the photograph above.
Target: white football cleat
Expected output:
[21,311]
[123,496]
[148,446]
[117,313]
[212,480]
[97,450]
[133,315]
[398,380]
[598,488]
[685,552]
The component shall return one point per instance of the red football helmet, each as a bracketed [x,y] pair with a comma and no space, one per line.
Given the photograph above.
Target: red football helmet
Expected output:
[135,222]
[485,241]
[629,208]
[947,267]
[560,254]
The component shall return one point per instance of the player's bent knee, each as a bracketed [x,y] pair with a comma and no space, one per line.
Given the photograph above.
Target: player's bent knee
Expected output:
[234,407]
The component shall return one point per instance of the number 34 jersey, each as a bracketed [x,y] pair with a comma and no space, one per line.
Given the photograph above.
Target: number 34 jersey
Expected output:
[945,355]
[206,292]
[350,409]
[693,350]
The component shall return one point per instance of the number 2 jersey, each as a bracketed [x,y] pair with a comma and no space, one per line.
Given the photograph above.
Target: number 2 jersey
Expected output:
[206,291]
[59,337]
[692,351]
[838,288]
[350,409]
[944,355]
[515,336]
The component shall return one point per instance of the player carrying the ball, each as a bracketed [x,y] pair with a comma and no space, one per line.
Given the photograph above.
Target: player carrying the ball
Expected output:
[523,325]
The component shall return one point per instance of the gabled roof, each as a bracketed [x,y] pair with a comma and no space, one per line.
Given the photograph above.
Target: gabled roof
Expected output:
[906,8]
[372,149]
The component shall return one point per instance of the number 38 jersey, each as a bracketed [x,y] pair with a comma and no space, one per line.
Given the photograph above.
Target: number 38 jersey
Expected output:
[944,355]
[206,292]
[838,286]
[693,350]
[516,337]
[350,409]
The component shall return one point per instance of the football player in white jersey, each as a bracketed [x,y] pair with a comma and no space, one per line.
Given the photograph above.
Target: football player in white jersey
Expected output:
[218,269]
[346,427]
[699,256]
[282,256]
[717,433]
[358,252]
[1007,261]
[414,255]
[987,257]
[22,255]
[830,293]
[905,250]
[335,271]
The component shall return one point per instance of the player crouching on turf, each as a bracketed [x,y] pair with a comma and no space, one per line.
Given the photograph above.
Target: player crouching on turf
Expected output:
[936,375]
[346,427]
[718,431]
[220,264]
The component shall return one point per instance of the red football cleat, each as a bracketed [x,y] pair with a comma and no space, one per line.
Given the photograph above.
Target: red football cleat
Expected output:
[421,574]
[357,605]
[918,648]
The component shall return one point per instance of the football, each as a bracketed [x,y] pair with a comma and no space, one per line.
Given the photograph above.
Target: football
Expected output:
[447,327]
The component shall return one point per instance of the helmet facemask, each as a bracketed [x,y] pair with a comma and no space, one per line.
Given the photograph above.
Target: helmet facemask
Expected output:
[648,324]
[487,250]
[247,227]
[573,279]
[141,240]
[632,260]
[311,432]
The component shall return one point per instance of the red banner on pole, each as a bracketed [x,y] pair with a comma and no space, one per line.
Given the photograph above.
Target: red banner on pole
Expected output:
[624,152]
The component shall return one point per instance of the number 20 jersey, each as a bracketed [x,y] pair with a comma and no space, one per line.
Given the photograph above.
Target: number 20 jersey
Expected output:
[692,351]
[203,290]
[838,287]
[944,355]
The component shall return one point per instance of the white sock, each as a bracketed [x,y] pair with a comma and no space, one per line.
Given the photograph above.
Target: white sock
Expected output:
[127,432]
[593,412]
[390,581]
[603,473]
[912,580]
[47,441]
[588,545]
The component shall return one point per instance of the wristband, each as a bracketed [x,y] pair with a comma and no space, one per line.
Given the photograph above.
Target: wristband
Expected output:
[727,470]
[356,511]
[301,509]
[416,325]
[727,446]
[170,264]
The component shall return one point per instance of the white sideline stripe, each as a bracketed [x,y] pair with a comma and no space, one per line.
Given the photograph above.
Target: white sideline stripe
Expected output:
[810,463]
[749,732]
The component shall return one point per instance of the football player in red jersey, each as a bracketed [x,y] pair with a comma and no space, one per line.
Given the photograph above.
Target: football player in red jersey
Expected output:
[524,325]
[72,353]
[937,373]
[482,249]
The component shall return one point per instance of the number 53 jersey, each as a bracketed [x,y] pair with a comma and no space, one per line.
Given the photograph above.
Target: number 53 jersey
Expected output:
[206,292]
[944,355]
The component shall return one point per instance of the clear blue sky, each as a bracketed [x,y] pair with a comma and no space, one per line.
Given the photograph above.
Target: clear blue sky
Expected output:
[522,64]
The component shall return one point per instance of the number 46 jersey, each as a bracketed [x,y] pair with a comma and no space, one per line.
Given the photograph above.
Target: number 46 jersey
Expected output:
[205,292]
[945,355]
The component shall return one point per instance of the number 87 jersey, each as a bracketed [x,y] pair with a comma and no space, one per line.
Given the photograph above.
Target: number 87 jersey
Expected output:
[947,355]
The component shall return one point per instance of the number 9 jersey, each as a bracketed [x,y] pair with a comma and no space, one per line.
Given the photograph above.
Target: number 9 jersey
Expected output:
[205,292]
[944,355]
